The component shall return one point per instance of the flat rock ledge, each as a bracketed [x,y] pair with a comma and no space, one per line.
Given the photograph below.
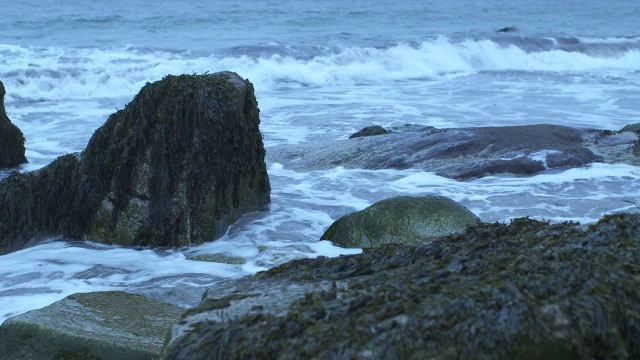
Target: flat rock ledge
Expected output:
[467,153]
[103,325]
[11,138]
[527,290]
[177,166]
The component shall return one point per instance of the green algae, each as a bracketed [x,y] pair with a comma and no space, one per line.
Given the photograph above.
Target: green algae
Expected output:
[102,325]
[402,219]
[526,290]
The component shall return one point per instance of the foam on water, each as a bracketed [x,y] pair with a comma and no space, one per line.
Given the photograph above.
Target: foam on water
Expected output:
[304,205]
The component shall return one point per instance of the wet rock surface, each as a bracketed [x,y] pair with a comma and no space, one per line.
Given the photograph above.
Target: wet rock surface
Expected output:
[370,131]
[401,219]
[467,152]
[11,138]
[178,165]
[527,290]
[102,325]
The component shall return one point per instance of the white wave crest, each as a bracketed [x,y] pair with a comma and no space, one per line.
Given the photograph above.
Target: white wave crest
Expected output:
[89,73]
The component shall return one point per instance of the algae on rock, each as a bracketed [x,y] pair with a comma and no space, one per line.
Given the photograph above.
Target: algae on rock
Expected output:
[101,325]
[178,165]
[401,219]
[527,290]
[11,138]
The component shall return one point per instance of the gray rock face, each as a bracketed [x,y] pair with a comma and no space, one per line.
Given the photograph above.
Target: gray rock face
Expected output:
[11,138]
[631,127]
[177,166]
[528,290]
[461,153]
[103,325]
[402,219]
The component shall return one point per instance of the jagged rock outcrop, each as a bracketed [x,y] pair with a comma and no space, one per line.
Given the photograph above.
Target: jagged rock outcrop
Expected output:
[528,290]
[11,138]
[401,219]
[102,325]
[176,166]
[464,153]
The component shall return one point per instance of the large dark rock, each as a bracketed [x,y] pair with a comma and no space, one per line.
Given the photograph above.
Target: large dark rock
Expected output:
[401,219]
[528,290]
[177,166]
[103,325]
[11,138]
[464,153]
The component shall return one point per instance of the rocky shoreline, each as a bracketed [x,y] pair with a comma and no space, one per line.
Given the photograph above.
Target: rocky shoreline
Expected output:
[185,159]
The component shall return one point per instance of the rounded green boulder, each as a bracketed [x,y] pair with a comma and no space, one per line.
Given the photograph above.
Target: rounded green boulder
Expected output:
[401,219]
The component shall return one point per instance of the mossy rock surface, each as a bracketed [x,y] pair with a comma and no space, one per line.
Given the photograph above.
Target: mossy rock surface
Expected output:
[177,166]
[102,325]
[11,138]
[401,219]
[527,290]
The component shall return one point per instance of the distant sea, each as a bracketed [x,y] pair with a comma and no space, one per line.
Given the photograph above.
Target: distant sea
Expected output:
[322,70]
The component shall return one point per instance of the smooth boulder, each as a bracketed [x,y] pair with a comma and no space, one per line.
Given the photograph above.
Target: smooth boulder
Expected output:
[526,290]
[176,166]
[401,219]
[103,325]
[11,138]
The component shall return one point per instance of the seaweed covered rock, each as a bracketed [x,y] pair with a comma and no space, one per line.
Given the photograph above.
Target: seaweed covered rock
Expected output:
[11,138]
[102,325]
[401,219]
[527,290]
[370,131]
[176,166]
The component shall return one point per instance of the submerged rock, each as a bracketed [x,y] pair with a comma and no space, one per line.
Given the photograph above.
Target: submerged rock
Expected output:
[402,219]
[102,325]
[370,131]
[454,153]
[528,290]
[11,138]
[178,165]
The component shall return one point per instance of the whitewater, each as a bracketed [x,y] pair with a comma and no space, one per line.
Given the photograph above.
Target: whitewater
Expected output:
[321,70]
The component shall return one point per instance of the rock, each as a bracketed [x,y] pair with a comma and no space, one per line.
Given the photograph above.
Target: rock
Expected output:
[507,29]
[631,127]
[613,146]
[103,325]
[455,153]
[527,290]
[219,258]
[370,131]
[11,138]
[401,219]
[177,166]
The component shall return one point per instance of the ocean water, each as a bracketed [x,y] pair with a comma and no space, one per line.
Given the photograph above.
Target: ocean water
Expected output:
[322,70]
